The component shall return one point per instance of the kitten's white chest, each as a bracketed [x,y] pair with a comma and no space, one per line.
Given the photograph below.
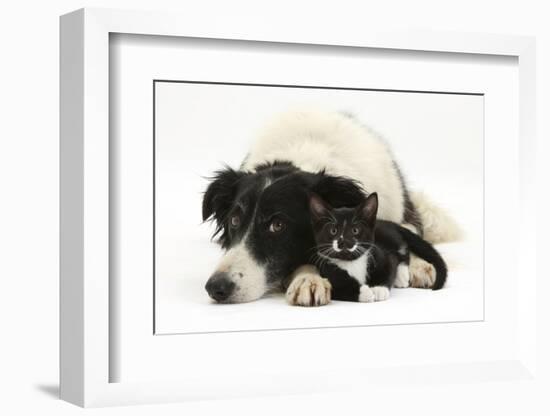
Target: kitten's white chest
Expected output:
[355,268]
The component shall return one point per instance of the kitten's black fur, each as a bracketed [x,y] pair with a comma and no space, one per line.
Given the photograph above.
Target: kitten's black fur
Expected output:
[354,250]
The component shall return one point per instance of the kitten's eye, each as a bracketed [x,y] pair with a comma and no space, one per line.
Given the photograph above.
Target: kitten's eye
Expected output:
[355,230]
[235,221]
[276,226]
[333,230]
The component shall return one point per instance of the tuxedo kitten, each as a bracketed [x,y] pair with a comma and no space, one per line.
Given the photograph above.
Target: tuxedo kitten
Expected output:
[362,256]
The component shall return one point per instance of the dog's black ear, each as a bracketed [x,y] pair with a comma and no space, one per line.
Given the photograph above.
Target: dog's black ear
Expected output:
[219,196]
[338,191]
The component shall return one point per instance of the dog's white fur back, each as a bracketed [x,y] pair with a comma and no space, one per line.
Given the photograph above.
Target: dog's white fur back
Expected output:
[316,139]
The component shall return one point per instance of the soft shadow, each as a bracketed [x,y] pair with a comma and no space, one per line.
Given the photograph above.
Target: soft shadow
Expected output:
[51,390]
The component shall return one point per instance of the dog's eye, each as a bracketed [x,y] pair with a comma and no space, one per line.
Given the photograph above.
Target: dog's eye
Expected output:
[333,230]
[276,226]
[355,230]
[235,221]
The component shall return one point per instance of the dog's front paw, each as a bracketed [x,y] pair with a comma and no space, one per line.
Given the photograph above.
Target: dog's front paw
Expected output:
[422,273]
[308,289]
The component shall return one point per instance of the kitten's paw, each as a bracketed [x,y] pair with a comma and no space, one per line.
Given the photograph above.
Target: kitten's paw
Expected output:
[308,289]
[366,294]
[422,273]
[402,276]
[380,293]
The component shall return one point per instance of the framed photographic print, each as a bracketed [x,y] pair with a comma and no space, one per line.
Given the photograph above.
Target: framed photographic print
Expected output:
[237,206]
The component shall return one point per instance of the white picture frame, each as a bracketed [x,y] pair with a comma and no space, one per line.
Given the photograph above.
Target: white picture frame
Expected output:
[85,222]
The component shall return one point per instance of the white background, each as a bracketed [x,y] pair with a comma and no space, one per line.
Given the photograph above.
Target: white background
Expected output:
[29,171]
[437,139]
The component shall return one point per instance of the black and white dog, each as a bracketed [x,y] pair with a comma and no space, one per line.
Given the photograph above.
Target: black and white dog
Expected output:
[261,210]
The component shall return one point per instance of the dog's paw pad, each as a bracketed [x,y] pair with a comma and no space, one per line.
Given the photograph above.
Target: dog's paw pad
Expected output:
[422,273]
[309,290]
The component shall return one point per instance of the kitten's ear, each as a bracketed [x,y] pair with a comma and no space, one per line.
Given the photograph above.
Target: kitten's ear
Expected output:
[369,208]
[318,207]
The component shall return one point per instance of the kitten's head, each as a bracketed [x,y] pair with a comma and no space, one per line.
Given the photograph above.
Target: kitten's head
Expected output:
[343,233]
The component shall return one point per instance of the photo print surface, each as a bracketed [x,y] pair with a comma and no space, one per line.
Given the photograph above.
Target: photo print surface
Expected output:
[201,128]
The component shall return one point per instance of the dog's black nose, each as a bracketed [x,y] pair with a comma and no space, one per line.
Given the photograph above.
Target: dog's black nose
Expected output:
[219,286]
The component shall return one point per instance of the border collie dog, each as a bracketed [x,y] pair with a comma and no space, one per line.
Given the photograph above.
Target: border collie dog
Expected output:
[262,213]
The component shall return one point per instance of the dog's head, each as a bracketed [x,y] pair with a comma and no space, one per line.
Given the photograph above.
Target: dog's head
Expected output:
[262,221]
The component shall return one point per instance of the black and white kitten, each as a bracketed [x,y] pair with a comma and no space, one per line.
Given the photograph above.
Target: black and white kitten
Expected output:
[362,256]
